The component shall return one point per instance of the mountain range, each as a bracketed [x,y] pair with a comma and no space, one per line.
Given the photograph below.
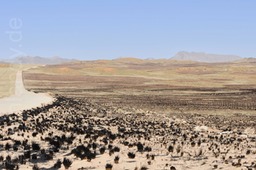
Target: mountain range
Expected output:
[38,60]
[204,57]
[182,56]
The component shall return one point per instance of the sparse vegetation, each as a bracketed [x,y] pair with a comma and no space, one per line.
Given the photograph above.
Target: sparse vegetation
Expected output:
[143,119]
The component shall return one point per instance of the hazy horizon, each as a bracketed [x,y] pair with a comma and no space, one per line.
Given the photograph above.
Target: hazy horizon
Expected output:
[91,30]
[192,53]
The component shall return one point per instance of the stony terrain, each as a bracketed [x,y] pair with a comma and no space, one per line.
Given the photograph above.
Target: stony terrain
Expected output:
[79,134]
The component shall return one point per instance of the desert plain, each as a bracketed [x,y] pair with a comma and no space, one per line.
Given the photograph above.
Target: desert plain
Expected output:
[132,114]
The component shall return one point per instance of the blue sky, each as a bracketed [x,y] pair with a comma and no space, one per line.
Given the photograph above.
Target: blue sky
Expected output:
[106,29]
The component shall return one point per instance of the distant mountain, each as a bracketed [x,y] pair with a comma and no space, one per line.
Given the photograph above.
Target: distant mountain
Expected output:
[39,60]
[247,60]
[204,57]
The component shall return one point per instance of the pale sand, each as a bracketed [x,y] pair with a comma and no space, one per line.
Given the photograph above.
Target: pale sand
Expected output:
[23,99]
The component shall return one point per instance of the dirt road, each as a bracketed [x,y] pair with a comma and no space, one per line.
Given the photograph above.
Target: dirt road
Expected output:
[22,99]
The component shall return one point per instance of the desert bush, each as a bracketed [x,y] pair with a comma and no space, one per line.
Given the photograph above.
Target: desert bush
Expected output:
[131,155]
[7,147]
[140,147]
[35,167]
[172,168]
[102,150]
[35,147]
[108,167]
[170,148]
[116,160]
[143,168]
[67,163]
[57,165]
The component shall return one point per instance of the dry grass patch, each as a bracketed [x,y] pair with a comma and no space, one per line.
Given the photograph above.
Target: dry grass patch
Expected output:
[8,77]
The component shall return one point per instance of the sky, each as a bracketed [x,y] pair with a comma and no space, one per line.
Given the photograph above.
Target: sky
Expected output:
[107,29]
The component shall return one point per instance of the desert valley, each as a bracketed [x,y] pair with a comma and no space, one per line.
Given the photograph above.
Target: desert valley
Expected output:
[129,113]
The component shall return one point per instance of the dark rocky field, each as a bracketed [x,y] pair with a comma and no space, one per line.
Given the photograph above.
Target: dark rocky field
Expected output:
[80,134]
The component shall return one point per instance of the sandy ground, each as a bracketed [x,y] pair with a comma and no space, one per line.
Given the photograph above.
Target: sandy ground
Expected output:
[23,99]
[199,142]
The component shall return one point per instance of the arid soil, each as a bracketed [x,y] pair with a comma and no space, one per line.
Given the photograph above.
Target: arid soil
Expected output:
[79,134]
[135,115]
[159,85]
